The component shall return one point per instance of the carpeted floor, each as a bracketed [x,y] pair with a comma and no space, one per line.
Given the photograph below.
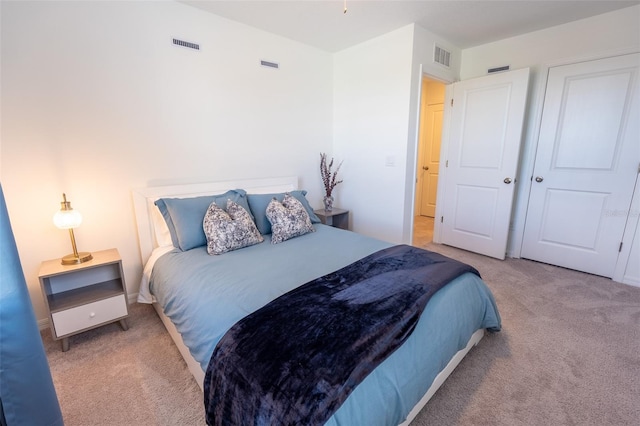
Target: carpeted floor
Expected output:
[569,354]
[121,378]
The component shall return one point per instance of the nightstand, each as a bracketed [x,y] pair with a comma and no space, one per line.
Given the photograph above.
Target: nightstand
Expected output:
[337,217]
[84,296]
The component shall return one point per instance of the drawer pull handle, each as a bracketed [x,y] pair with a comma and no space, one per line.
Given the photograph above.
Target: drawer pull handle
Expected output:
[92,314]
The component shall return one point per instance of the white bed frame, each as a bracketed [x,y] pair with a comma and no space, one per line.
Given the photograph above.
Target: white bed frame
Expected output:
[143,202]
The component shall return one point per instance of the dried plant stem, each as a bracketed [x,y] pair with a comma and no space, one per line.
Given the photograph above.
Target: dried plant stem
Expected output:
[329,177]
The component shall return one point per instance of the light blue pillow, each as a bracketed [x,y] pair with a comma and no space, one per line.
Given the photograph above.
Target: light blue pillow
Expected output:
[259,203]
[184,216]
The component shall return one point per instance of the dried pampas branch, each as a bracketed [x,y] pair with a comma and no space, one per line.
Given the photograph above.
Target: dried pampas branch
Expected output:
[329,178]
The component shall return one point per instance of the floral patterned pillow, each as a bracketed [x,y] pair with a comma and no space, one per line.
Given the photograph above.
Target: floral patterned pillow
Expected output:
[288,219]
[229,230]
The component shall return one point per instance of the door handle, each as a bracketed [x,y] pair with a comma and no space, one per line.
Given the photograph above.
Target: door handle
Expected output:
[425,167]
[507,180]
[539,179]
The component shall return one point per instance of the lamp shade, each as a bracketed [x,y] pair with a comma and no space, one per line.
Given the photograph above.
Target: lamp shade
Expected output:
[67,219]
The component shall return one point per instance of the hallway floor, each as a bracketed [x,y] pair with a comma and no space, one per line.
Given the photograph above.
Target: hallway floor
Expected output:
[422,230]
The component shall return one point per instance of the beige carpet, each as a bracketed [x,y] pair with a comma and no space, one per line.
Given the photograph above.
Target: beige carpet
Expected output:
[569,354]
[120,378]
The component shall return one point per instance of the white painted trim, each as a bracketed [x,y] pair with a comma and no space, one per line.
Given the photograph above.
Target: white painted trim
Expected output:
[592,57]
[414,167]
[443,171]
[132,298]
[632,231]
[43,324]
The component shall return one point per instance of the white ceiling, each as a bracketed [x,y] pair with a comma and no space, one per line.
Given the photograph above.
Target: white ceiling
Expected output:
[322,23]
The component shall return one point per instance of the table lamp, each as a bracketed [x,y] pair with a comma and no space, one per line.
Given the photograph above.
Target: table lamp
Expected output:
[67,218]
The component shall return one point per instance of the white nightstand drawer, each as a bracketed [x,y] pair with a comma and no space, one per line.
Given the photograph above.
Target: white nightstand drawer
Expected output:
[89,315]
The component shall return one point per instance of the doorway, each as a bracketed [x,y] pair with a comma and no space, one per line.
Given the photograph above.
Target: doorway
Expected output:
[429,138]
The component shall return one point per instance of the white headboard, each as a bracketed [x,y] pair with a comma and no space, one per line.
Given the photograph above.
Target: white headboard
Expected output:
[145,209]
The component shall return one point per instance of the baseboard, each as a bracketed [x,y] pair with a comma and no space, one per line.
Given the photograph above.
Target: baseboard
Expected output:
[43,324]
[631,281]
[132,298]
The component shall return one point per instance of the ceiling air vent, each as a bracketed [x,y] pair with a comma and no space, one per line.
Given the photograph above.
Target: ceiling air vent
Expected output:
[187,44]
[441,56]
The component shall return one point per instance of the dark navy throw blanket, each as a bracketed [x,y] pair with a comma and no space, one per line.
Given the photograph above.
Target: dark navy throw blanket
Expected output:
[295,360]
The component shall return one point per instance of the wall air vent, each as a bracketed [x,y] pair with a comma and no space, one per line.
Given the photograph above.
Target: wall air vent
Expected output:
[187,44]
[441,56]
[498,69]
[269,64]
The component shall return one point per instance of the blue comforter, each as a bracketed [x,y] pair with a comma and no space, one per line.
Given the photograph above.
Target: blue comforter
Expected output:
[295,360]
[208,297]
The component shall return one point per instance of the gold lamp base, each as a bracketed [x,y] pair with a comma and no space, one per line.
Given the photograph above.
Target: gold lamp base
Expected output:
[72,259]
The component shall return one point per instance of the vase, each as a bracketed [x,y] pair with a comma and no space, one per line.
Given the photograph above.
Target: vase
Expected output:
[328,203]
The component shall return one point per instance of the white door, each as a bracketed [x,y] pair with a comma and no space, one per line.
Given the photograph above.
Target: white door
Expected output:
[586,165]
[481,161]
[429,140]
[431,158]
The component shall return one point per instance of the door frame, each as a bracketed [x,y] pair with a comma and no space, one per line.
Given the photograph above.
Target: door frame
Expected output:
[632,230]
[414,186]
[443,173]
[420,153]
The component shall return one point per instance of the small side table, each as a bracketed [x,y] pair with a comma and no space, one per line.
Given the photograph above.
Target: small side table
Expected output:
[337,218]
[84,296]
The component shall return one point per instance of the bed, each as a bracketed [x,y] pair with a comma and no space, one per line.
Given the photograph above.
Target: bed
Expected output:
[199,303]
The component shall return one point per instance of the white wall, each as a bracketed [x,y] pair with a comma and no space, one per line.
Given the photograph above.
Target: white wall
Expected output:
[423,64]
[597,37]
[96,100]
[372,83]
[376,107]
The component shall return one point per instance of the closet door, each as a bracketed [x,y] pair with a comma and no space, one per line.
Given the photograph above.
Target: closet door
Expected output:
[586,165]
